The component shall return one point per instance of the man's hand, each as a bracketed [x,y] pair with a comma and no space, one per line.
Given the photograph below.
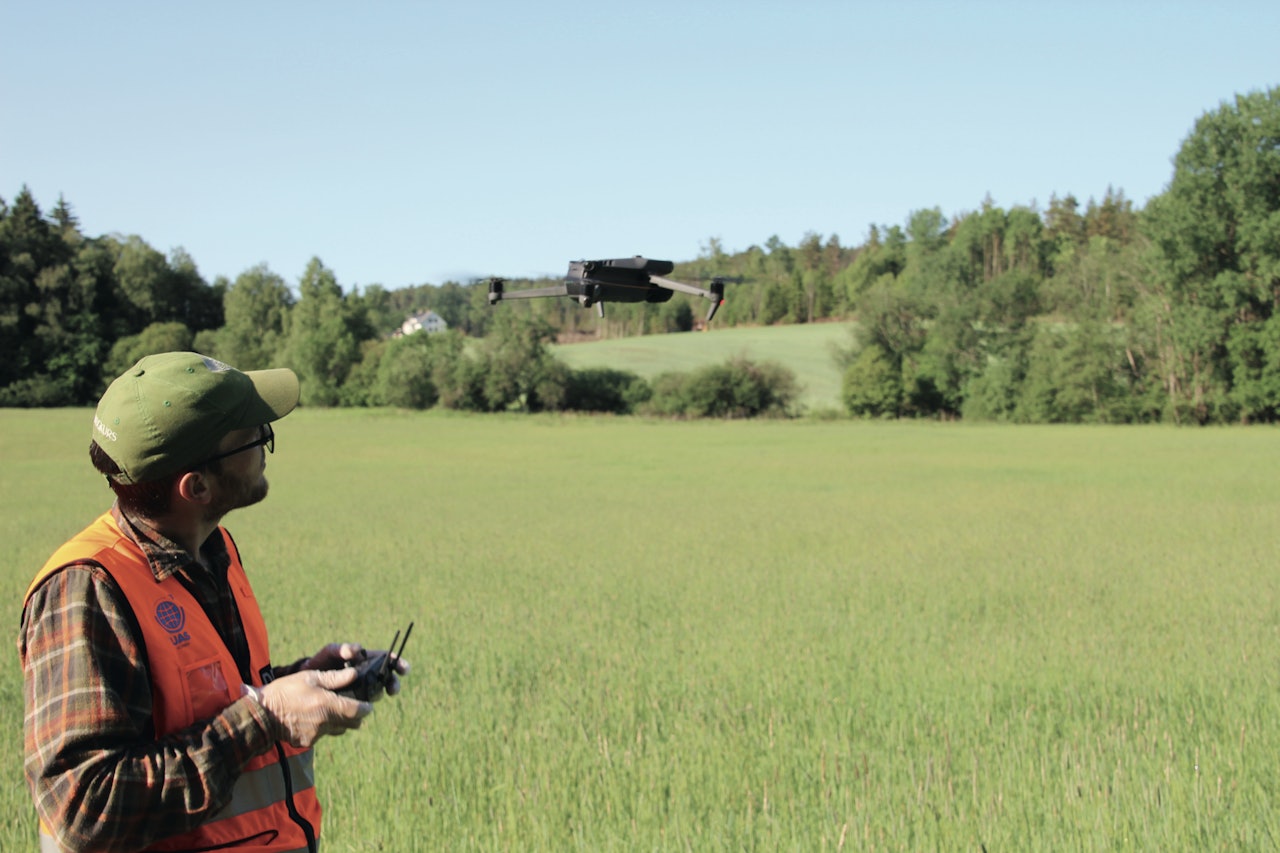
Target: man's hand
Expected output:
[338,655]
[306,708]
[334,656]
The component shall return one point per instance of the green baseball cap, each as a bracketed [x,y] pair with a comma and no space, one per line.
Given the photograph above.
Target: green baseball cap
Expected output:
[169,411]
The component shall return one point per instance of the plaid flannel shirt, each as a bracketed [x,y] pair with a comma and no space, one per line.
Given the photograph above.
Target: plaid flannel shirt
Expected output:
[99,777]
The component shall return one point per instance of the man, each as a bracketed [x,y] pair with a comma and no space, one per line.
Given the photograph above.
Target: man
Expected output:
[154,717]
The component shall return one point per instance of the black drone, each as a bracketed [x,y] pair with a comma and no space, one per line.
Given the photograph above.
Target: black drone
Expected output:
[618,280]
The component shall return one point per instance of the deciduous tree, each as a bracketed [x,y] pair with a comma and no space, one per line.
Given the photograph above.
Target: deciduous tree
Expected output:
[323,345]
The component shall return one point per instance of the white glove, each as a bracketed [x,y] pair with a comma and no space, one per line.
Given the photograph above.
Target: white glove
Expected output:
[306,708]
[337,655]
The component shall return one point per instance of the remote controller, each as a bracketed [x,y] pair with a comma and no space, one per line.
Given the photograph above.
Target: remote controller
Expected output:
[375,672]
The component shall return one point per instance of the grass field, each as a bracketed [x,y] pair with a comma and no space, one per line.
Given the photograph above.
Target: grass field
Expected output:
[637,635]
[808,349]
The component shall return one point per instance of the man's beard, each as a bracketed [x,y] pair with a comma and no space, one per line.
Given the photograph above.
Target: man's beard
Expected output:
[236,494]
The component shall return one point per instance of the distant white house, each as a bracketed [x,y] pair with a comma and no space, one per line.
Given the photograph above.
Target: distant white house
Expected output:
[427,321]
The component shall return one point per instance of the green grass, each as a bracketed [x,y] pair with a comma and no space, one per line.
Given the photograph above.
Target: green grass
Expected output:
[808,349]
[637,635]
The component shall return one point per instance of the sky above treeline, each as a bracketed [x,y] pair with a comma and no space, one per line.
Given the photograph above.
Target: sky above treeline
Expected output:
[409,143]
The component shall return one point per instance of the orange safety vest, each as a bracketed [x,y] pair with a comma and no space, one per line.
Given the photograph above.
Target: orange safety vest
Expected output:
[273,808]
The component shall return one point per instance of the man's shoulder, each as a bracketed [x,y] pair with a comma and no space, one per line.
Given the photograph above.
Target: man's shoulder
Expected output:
[72,576]
[80,592]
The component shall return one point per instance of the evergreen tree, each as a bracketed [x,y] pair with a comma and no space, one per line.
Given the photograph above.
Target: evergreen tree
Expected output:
[65,218]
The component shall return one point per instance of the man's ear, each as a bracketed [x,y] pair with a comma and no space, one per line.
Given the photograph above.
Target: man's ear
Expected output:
[193,487]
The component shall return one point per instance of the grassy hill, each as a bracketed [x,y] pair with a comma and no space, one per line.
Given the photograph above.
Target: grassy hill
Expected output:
[808,349]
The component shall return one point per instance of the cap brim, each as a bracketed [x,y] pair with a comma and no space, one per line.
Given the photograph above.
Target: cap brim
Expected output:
[277,395]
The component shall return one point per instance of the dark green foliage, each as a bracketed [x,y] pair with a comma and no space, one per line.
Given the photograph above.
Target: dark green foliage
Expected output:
[40,390]
[257,308]
[156,338]
[1076,375]
[1082,312]
[510,370]
[358,390]
[739,388]
[65,300]
[992,395]
[406,370]
[675,316]
[520,372]
[1162,314]
[777,302]
[602,389]
[1254,351]
[463,307]
[877,260]
[156,290]
[872,384]
[463,388]
[1216,233]
[325,331]
[374,305]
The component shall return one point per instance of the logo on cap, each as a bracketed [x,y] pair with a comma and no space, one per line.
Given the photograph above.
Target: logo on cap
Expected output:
[214,365]
[104,430]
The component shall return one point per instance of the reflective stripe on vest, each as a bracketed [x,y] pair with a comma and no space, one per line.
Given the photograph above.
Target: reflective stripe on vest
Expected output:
[48,845]
[266,785]
[193,678]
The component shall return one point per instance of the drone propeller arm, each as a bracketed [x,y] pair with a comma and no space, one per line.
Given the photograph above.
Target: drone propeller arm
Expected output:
[530,294]
[682,287]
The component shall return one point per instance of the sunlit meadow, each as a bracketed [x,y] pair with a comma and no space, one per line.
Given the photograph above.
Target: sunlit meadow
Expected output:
[642,635]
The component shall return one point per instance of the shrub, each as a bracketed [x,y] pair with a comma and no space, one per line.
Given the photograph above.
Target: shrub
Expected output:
[603,389]
[461,384]
[156,338]
[739,388]
[404,376]
[41,390]
[872,384]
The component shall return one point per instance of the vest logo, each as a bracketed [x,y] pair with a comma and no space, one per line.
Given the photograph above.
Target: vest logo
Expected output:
[172,618]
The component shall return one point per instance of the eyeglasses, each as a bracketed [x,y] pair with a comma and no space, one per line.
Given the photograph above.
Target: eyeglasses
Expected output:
[267,439]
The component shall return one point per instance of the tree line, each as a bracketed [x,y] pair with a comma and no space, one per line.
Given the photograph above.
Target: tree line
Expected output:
[1100,311]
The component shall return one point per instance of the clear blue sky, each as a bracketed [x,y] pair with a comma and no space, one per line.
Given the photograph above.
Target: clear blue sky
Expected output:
[406,143]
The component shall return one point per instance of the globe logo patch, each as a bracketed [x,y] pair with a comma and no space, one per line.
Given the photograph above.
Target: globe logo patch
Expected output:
[170,616]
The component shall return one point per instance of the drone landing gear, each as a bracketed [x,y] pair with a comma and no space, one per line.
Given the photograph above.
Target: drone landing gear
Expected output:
[717,298]
[590,298]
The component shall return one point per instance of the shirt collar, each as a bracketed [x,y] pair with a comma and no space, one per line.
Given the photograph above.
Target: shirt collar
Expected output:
[166,557]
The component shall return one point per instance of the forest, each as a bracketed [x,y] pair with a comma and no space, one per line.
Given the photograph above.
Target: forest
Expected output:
[1100,311]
